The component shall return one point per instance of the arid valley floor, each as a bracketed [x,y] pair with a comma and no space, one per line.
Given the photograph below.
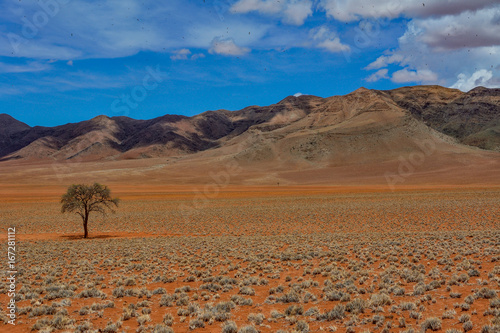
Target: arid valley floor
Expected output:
[377,211]
[275,258]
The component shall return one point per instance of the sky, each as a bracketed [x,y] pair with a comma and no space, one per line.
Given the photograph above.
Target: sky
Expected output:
[66,61]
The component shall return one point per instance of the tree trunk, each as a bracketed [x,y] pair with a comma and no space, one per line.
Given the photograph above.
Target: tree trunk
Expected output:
[85,220]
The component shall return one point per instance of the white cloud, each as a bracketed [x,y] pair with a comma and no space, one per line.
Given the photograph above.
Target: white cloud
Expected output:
[328,40]
[181,54]
[383,61]
[118,28]
[70,81]
[262,6]
[422,75]
[334,45]
[380,74]
[197,56]
[29,67]
[480,77]
[293,12]
[298,94]
[465,30]
[447,46]
[296,12]
[352,10]
[226,46]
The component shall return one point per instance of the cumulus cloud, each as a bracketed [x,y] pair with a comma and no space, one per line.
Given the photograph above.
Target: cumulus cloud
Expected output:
[352,10]
[197,56]
[226,46]
[446,46]
[480,77]
[334,45]
[328,40]
[423,75]
[296,12]
[461,31]
[185,54]
[293,12]
[262,6]
[384,61]
[380,74]
[181,54]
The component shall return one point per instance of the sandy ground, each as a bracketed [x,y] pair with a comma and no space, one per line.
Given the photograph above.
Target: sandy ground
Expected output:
[369,235]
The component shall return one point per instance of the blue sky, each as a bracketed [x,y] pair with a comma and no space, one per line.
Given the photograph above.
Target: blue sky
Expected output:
[70,60]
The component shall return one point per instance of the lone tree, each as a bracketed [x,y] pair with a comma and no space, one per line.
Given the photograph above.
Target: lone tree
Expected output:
[84,199]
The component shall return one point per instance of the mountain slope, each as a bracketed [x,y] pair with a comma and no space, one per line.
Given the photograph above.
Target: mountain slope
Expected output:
[8,127]
[366,125]
[473,117]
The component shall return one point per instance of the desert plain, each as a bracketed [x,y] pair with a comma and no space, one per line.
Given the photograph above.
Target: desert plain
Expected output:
[258,258]
[373,212]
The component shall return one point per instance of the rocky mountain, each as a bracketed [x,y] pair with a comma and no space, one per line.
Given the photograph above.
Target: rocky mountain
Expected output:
[365,125]
[8,128]
[473,117]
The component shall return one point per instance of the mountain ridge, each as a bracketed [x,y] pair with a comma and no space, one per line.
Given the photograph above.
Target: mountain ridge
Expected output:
[470,119]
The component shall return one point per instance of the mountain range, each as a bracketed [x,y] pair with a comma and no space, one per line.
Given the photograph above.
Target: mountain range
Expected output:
[438,125]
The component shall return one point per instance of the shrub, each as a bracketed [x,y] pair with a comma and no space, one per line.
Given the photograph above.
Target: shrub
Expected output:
[230,327]
[433,324]
[143,319]
[311,311]
[247,291]
[256,318]
[450,314]
[168,319]
[356,306]
[161,328]
[158,291]
[495,303]
[408,306]
[239,300]
[486,293]
[380,300]
[84,327]
[294,310]
[110,328]
[87,293]
[248,329]
[463,318]
[468,326]
[290,297]
[196,323]
[302,327]
[338,312]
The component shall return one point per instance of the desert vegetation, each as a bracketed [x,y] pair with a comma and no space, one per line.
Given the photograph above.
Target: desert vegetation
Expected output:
[358,262]
[84,199]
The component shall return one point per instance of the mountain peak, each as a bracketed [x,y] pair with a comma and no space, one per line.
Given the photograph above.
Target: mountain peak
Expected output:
[10,125]
[8,120]
[292,123]
[100,118]
[288,99]
[5,116]
[360,89]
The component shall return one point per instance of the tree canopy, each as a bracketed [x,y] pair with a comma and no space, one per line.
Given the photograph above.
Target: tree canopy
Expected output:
[84,199]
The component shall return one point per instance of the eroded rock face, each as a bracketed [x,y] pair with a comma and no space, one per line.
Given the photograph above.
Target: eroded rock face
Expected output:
[305,127]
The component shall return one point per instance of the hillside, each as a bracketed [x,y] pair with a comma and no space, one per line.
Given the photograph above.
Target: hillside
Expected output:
[297,140]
